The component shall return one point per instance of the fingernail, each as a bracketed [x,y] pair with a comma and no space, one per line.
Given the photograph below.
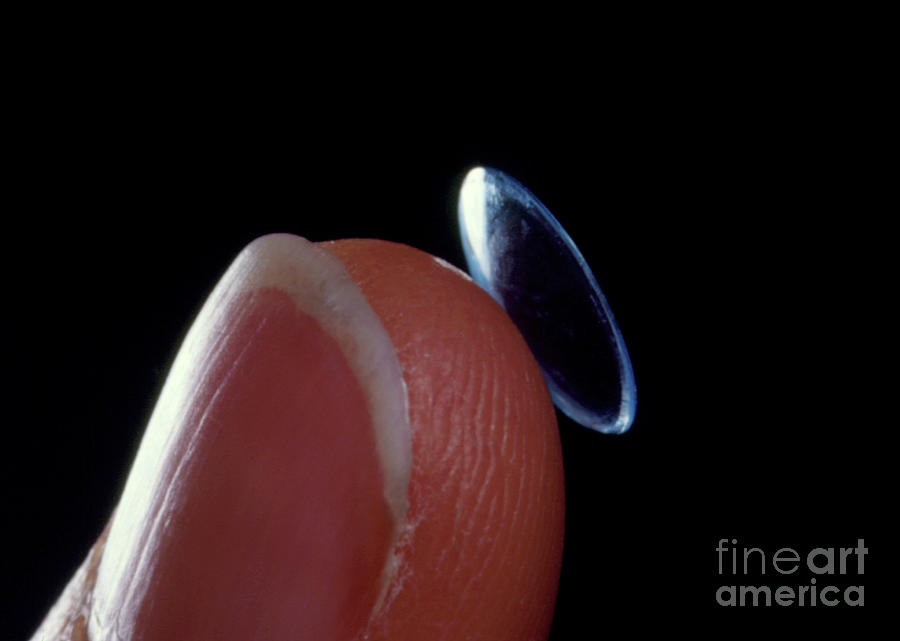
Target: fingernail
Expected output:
[270,483]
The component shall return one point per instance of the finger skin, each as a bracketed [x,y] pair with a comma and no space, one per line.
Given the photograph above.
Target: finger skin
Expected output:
[482,553]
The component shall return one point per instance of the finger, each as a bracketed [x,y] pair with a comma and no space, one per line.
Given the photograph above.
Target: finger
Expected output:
[269,495]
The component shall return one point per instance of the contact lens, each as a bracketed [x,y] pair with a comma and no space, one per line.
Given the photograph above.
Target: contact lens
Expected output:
[517,251]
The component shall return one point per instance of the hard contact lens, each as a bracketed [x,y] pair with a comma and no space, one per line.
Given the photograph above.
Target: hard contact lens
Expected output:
[520,254]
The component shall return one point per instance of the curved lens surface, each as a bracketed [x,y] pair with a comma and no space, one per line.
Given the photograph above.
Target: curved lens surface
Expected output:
[520,254]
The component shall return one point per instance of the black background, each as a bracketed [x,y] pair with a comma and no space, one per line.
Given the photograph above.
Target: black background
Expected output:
[727,211]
